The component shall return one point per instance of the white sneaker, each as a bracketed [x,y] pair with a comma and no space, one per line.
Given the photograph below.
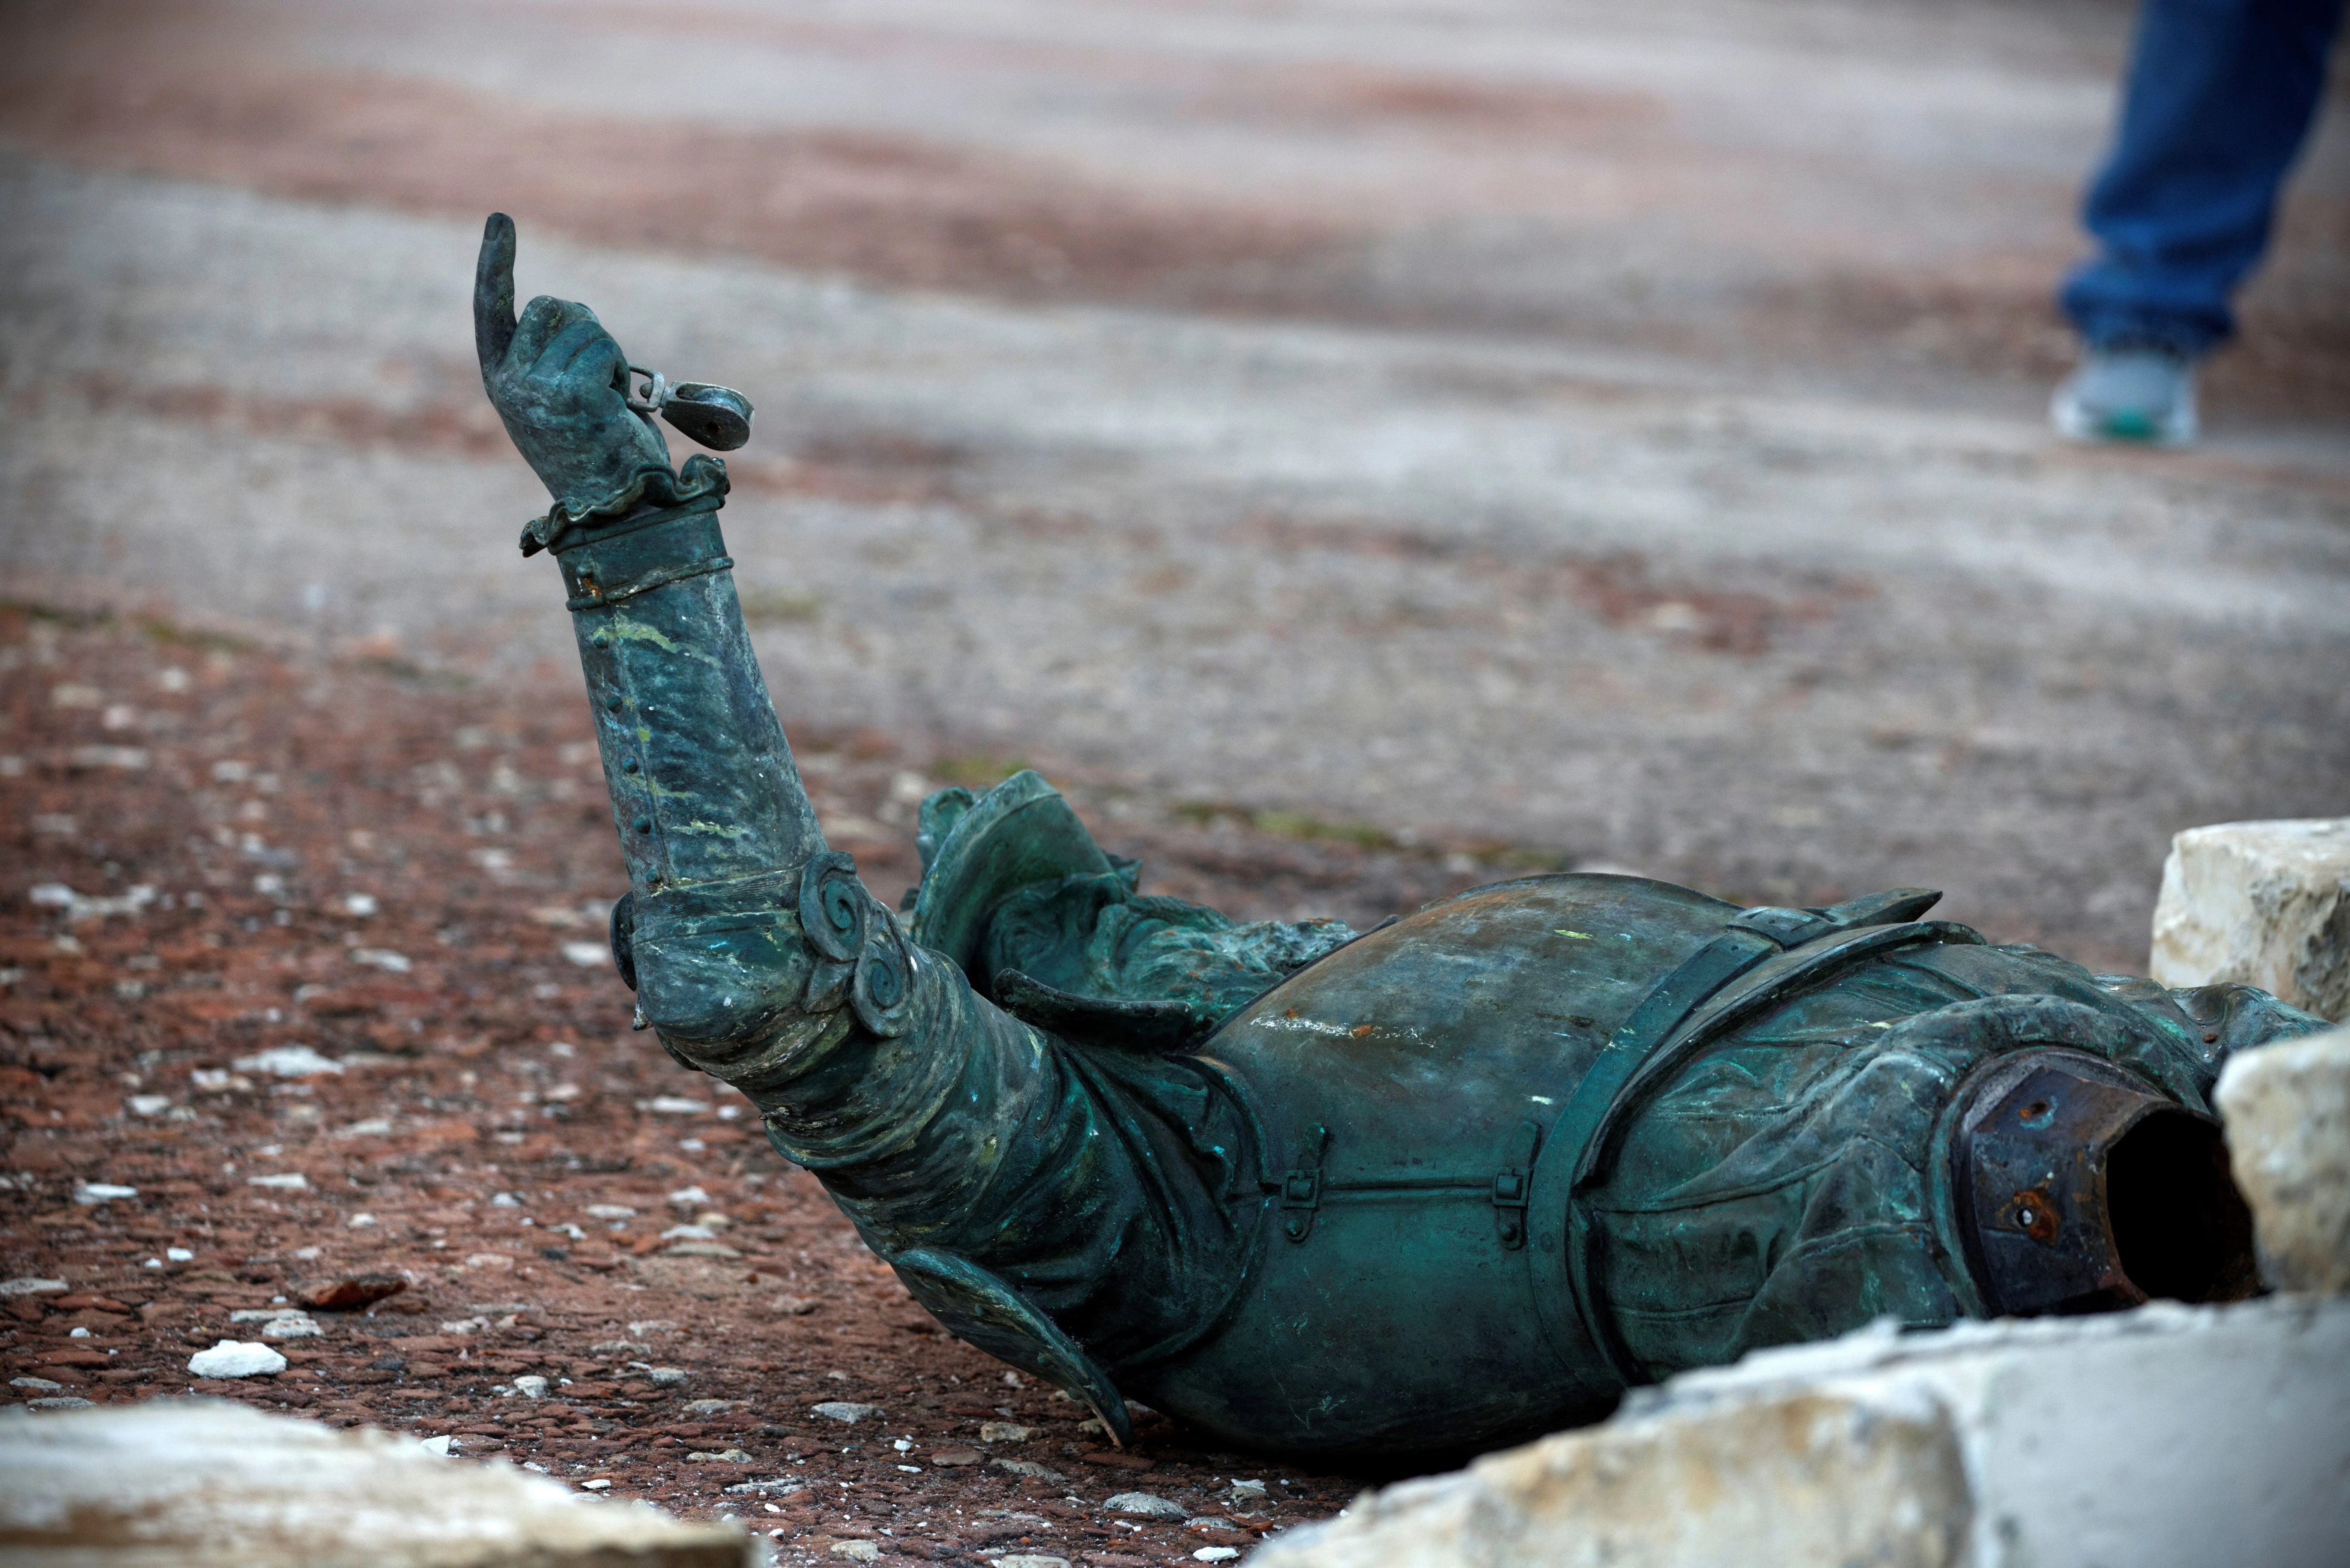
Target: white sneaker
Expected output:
[2141,395]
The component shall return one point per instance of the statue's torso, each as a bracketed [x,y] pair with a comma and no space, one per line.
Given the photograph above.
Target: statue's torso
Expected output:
[1401,1296]
[1555,1136]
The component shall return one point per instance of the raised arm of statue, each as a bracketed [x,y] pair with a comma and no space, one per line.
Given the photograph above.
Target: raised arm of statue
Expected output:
[988,1157]
[1002,1169]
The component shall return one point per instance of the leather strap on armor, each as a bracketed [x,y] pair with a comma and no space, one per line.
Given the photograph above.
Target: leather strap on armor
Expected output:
[1762,954]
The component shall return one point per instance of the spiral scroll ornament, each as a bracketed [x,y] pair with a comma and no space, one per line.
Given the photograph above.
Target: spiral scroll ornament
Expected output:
[834,906]
[834,914]
[862,957]
[882,993]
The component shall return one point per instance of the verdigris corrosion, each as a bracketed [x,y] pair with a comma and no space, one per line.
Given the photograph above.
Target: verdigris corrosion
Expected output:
[1432,1188]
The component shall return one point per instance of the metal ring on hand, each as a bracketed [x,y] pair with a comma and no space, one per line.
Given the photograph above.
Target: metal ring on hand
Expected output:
[656,393]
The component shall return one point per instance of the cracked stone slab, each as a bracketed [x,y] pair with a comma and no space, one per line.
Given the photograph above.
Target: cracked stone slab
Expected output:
[2260,903]
[2170,1436]
[202,1483]
[2287,1109]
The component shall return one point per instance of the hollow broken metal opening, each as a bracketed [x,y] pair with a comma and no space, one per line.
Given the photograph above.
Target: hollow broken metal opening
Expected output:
[2180,1228]
[2083,1190]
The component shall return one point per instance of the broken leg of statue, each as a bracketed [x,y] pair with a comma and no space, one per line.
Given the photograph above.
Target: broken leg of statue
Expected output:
[1434,1188]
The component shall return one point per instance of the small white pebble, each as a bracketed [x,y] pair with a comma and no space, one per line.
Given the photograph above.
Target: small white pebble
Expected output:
[78,1333]
[233,1358]
[362,1221]
[179,1254]
[603,1486]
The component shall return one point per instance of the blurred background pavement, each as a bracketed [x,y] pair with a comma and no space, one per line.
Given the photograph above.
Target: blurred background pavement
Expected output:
[1568,433]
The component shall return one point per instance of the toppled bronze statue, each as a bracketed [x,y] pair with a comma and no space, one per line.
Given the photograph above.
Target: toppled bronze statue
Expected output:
[1435,1187]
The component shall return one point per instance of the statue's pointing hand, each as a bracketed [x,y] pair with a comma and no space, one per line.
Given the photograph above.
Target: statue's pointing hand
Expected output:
[560,383]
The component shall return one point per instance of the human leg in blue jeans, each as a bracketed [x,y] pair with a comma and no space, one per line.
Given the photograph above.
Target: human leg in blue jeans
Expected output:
[2220,97]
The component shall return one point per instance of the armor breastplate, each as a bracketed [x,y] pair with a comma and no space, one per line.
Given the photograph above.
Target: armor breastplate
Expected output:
[1432,1094]
[1406,1083]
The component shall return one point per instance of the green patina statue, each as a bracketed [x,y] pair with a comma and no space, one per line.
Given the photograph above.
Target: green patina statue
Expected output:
[1378,1198]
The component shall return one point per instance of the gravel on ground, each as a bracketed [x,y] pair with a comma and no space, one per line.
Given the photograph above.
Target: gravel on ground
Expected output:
[310,1042]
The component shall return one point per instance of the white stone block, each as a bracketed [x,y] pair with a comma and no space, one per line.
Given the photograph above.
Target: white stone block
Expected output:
[2287,1109]
[203,1484]
[1818,1477]
[2261,903]
[2170,1437]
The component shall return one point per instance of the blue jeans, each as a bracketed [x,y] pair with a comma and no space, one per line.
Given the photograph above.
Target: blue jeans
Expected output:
[2220,96]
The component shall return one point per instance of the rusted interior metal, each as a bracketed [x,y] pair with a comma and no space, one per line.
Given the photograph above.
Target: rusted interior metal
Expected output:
[2085,1191]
